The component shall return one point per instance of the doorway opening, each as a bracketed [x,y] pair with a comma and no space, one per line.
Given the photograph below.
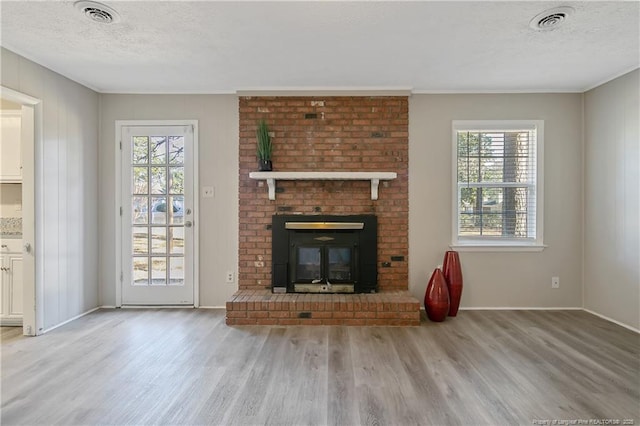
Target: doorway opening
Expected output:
[23,273]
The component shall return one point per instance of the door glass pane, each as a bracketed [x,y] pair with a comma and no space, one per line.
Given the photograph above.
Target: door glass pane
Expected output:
[158,210]
[176,273]
[139,210]
[176,149]
[157,192]
[158,180]
[140,152]
[176,215]
[141,271]
[176,180]
[158,270]
[158,239]
[140,240]
[158,149]
[176,240]
[140,180]
[339,263]
[308,265]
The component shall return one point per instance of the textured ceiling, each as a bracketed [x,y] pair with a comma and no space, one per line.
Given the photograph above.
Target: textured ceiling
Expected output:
[221,47]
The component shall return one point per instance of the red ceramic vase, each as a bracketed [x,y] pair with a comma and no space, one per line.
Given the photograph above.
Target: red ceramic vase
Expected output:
[436,299]
[453,275]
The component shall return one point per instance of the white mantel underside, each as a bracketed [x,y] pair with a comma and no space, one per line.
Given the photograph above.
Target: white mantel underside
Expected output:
[272,177]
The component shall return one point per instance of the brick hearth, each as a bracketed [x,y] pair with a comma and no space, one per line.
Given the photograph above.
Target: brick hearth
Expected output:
[261,307]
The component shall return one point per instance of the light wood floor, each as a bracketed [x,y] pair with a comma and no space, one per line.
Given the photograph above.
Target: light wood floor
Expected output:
[179,366]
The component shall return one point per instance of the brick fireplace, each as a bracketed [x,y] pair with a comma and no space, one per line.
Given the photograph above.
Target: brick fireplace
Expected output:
[324,134]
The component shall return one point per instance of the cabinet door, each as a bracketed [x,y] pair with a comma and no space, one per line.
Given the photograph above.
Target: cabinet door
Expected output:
[10,152]
[14,281]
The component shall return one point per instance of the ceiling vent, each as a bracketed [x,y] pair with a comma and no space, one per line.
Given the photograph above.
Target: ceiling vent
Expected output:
[551,19]
[98,12]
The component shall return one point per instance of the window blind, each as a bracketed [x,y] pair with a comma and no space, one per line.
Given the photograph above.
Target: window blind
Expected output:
[496,183]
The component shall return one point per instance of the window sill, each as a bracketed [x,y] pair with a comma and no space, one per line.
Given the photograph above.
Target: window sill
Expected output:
[497,247]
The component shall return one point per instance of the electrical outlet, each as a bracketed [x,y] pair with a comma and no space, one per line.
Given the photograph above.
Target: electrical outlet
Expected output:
[229,277]
[555,282]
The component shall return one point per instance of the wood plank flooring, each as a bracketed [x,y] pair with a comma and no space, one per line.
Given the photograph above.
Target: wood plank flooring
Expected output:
[185,366]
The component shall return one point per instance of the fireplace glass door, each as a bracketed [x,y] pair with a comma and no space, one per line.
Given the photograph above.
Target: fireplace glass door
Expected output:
[323,264]
[309,264]
[339,264]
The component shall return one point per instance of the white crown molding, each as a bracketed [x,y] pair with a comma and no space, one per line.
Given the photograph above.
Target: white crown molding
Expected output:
[494,91]
[325,91]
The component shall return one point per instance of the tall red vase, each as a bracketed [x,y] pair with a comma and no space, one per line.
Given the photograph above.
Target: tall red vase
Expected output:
[452,272]
[436,299]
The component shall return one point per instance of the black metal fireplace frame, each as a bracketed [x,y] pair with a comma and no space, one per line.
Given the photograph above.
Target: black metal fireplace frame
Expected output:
[367,242]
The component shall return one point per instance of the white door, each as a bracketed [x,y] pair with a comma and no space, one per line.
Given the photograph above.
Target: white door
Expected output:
[157,215]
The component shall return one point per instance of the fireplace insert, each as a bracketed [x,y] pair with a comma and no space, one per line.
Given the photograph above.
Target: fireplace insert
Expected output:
[324,254]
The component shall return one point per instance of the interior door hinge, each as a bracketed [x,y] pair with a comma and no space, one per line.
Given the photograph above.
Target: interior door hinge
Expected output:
[120,145]
[120,211]
[121,276]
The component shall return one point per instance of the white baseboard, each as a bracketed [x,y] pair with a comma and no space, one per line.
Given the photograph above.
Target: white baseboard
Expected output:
[628,327]
[69,320]
[157,307]
[139,307]
[505,308]
[520,308]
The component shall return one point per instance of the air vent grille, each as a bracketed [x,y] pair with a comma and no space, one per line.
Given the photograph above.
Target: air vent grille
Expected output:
[98,12]
[550,19]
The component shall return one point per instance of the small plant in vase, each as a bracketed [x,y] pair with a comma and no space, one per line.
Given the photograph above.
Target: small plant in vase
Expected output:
[264,147]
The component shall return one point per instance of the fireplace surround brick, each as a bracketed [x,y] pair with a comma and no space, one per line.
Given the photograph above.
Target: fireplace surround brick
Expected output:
[325,133]
[348,134]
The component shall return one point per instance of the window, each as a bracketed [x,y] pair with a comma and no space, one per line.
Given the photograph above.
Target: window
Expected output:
[497,184]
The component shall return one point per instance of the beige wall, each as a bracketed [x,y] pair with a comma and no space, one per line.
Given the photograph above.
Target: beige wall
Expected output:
[217,117]
[67,189]
[611,200]
[491,279]
[498,279]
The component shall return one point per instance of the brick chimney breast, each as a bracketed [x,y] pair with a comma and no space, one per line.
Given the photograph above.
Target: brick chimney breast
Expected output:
[355,134]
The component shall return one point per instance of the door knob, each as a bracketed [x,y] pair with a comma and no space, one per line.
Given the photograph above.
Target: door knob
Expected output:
[188,224]
[27,248]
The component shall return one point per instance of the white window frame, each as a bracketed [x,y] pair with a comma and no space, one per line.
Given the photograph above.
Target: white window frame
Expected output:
[498,244]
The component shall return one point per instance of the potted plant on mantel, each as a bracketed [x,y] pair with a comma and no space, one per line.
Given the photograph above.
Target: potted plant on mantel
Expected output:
[264,147]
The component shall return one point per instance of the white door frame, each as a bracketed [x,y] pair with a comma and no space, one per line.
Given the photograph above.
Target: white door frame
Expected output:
[32,209]
[196,195]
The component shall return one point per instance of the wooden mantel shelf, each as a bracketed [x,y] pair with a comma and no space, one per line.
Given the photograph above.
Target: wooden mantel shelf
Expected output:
[272,177]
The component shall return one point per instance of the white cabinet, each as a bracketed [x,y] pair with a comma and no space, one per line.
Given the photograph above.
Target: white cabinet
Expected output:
[10,147]
[11,280]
